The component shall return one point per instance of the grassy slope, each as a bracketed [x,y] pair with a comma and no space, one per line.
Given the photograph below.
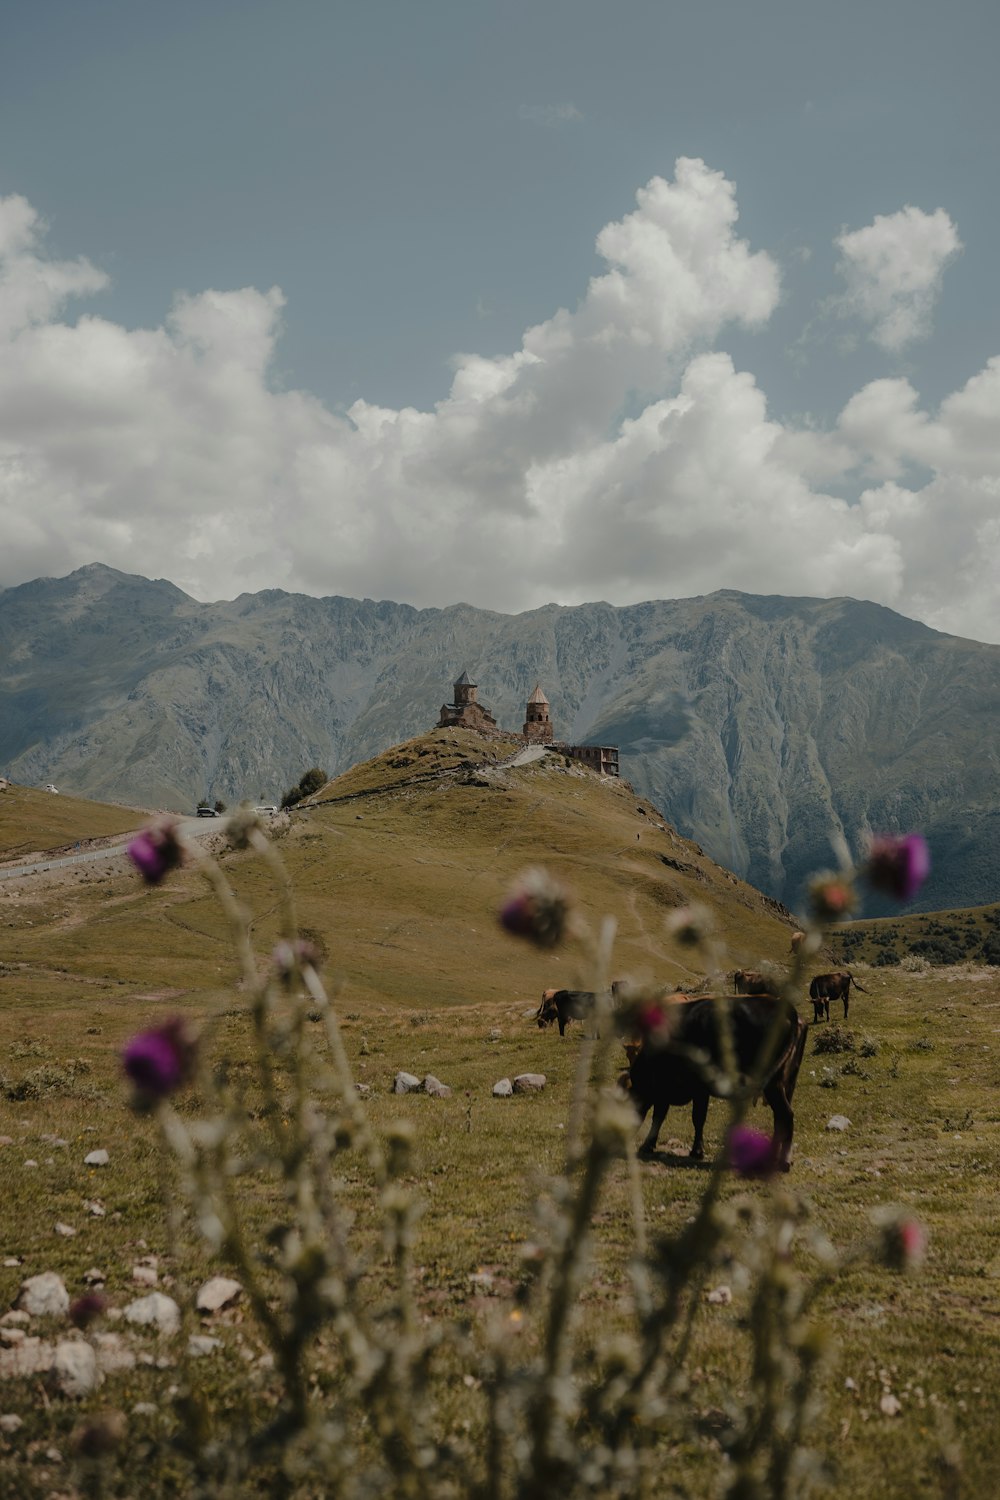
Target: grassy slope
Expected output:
[400,886]
[31,820]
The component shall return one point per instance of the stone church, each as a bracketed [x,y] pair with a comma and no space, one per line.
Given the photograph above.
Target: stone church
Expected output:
[466,712]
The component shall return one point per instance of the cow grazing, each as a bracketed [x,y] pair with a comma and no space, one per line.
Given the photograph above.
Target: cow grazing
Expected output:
[686,1068]
[565,1005]
[827,987]
[753,982]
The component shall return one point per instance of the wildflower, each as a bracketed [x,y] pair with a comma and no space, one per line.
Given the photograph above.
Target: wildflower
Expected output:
[750,1152]
[101,1435]
[86,1309]
[159,1061]
[690,925]
[537,909]
[833,897]
[242,825]
[156,851]
[903,1239]
[288,958]
[898,865]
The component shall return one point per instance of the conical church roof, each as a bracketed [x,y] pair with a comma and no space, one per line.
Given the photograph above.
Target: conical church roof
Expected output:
[464,681]
[538,696]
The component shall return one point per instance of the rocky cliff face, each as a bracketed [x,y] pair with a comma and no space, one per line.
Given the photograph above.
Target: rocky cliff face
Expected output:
[759,726]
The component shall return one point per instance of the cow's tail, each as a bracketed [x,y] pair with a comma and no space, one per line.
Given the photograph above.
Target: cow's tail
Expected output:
[857,986]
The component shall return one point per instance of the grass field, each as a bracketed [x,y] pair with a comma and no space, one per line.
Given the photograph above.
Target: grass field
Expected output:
[398,876]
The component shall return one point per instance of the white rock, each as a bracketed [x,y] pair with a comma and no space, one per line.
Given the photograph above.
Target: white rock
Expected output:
[219,1292]
[33,1357]
[14,1319]
[97,1158]
[44,1296]
[529,1083]
[200,1344]
[74,1368]
[10,1422]
[145,1409]
[11,1336]
[503,1089]
[95,1208]
[156,1309]
[405,1083]
[436,1088]
[722,1295]
[113,1353]
[838,1122]
[66,1230]
[31,1163]
[890,1405]
[94,1277]
[144,1275]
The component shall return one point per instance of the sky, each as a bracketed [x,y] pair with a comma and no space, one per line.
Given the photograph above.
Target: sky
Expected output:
[506,302]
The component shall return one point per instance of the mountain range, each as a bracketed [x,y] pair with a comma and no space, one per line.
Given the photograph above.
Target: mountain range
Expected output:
[761,727]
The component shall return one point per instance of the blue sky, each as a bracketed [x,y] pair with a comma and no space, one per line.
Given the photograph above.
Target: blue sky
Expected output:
[429,181]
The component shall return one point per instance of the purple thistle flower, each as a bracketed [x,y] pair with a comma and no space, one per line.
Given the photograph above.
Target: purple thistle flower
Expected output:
[898,864]
[537,909]
[156,851]
[85,1309]
[751,1153]
[159,1061]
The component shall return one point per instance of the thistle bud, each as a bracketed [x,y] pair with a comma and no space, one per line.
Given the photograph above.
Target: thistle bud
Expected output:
[537,909]
[898,865]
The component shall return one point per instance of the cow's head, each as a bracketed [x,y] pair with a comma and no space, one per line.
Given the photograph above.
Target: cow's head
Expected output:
[548,1011]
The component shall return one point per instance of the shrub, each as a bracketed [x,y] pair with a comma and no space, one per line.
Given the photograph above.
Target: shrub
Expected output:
[834,1039]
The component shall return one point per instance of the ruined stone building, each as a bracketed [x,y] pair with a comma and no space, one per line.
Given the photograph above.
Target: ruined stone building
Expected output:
[466,712]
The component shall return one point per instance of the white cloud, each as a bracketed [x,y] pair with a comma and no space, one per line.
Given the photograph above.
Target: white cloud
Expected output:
[893,269]
[164,451]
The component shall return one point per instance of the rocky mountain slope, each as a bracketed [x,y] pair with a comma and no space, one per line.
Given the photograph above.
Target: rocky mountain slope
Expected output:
[759,726]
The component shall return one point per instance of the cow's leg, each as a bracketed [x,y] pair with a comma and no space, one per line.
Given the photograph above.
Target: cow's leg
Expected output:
[562,1025]
[826,1007]
[784,1121]
[817,1011]
[649,1144]
[699,1114]
[847,1002]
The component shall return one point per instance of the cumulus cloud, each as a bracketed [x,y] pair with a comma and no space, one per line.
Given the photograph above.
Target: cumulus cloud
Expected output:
[165,451]
[893,269]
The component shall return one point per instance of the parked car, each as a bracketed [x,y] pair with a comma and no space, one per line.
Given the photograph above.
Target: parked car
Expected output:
[265,809]
[50,788]
[207,812]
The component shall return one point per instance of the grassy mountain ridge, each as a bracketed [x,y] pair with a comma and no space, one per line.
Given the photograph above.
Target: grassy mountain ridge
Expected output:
[760,726]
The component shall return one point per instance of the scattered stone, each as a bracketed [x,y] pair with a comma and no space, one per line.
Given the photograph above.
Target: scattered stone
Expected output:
[145,1409]
[113,1354]
[96,1158]
[200,1344]
[436,1088]
[503,1089]
[14,1319]
[158,1310]
[31,1162]
[219,1292]
[405,1083]
[32,1357]
[94,1277]
[74,1368]
[364,1089]
[13,1260]
[6,1140]
[66,1230]
[721,1295]
[838,1122]
[144,1275]
[44,1296]
[890,1405]
[10,1422]
[97,1209]
[529,1083]
[10,1336]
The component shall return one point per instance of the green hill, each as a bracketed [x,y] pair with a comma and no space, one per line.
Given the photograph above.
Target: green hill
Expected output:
[30,820]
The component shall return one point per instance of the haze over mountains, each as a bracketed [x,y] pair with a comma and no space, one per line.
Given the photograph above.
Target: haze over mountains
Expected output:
[759,726]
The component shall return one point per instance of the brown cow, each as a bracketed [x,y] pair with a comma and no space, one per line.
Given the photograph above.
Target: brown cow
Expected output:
[687,1068]
[753,982]
[835,986]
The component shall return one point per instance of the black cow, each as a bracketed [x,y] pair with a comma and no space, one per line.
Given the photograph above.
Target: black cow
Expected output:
[753,982]
[687,1067]
[565,1005]
[827,987]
